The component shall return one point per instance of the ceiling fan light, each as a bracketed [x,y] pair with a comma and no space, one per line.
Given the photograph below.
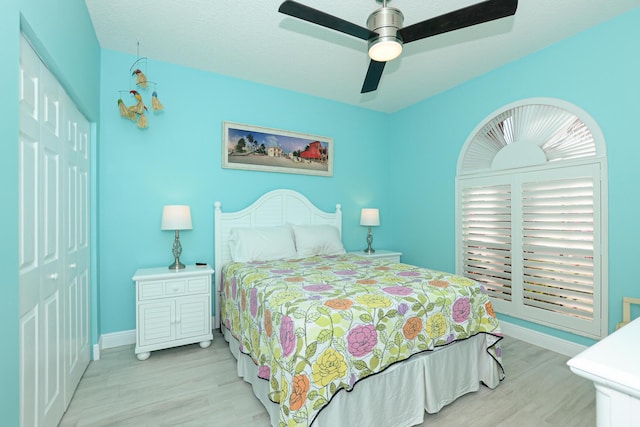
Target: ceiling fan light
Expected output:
[385,49]
[388,44]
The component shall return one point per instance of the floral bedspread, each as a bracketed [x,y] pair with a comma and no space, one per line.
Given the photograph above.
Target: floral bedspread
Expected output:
[318,325]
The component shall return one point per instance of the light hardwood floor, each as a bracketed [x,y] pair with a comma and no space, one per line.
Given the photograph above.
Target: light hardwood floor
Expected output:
[190,386]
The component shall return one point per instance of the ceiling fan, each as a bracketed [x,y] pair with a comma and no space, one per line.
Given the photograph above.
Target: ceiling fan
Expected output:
[386,35]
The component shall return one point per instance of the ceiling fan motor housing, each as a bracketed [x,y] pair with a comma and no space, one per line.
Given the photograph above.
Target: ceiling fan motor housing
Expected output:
[385,21]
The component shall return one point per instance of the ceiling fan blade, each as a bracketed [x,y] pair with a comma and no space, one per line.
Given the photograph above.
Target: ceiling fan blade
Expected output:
[374,73]
[315,16]
[467,16]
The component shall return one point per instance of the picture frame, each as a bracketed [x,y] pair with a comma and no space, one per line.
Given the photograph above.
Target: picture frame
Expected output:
[274,150]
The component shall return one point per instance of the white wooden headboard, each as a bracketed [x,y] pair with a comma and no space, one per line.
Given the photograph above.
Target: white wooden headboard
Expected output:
[275,208]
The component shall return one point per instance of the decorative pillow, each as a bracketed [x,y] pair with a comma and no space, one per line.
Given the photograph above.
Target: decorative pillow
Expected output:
[261,244]
[314,240]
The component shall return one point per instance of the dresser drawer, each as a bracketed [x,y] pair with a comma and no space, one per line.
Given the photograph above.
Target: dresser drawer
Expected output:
[161,289]
[199,285]
[151,290]
[175,287]
[169,288]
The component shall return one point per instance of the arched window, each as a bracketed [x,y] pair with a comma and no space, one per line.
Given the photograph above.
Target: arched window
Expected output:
[531,210]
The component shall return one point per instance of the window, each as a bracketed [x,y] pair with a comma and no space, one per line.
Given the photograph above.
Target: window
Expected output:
[531,198]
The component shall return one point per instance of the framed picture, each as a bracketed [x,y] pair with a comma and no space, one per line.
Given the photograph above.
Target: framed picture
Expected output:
[272,150]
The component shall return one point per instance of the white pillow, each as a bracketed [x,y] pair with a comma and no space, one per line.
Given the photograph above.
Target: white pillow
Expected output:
[261,244]
[312,240]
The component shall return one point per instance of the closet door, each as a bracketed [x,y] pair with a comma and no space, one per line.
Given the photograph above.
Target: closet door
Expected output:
[76,243]
[28,257]
[40,247]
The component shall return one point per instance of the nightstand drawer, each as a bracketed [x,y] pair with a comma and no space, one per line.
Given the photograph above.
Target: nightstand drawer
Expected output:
[198,286]
[175,287]
[161,288]
[151,290]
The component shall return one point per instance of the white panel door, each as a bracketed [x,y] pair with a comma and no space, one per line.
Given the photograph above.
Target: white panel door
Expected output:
[76,243]
[28,228]
[51,266]
[40,248]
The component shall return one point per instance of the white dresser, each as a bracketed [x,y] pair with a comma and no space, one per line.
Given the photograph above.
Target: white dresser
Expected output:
[613,364]
[173,308]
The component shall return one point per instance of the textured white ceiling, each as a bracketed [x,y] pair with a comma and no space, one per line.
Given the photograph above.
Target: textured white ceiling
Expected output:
[251,40]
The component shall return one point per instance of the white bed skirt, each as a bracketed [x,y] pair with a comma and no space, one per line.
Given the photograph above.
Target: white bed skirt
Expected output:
[399,396]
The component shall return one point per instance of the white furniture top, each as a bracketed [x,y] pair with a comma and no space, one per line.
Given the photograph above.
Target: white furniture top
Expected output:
[614,361]
[164,272]
[379,253]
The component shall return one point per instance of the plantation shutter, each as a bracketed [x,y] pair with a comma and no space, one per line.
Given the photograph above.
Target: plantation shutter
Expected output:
[532,239]
[558,246]
[486,238]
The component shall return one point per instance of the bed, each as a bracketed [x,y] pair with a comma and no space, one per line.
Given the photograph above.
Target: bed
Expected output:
[328,338]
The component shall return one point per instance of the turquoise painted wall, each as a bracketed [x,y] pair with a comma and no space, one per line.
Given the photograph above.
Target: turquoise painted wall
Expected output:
[9,356]
[177,160]
[73,55]
[596,70]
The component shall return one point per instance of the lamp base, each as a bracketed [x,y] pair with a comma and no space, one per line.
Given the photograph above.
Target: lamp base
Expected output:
[177,265]
[176,249]
[369,249]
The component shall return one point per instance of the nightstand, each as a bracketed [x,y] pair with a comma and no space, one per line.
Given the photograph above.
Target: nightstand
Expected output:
[173,308]
[392,256]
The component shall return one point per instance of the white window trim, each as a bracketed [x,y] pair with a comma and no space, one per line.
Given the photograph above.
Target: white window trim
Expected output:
[599,326]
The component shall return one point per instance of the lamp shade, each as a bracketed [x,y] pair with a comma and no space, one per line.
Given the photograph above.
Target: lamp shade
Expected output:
[176,217]
[370,217]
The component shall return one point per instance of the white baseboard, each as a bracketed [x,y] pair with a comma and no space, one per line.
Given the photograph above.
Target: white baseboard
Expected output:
[117,339]
[545,341]
[113,339]
[96,349]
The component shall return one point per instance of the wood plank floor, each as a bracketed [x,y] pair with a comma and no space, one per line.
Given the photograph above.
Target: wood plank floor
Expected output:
[190,386]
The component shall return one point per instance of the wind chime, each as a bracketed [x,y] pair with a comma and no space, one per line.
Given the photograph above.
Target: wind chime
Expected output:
[138,80]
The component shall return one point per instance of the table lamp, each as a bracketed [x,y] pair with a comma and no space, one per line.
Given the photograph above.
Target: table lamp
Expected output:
[370,218]
[176,217]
